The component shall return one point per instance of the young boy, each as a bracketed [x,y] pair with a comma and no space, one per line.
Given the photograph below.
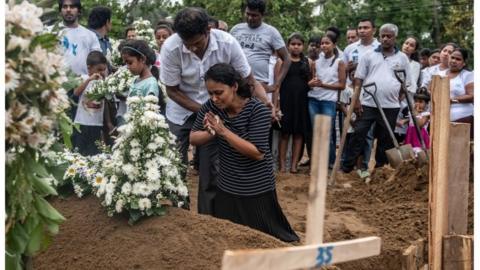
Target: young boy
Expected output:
[89,113]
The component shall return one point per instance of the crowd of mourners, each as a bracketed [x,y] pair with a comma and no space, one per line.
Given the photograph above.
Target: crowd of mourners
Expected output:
[242,97]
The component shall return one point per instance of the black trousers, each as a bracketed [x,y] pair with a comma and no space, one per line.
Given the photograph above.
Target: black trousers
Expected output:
[208,163]
[370,116]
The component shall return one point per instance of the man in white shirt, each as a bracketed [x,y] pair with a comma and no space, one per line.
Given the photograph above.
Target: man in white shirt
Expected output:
[258,40]
[77,41]
[352,36]
[185,57]
[352,55]
[378,67]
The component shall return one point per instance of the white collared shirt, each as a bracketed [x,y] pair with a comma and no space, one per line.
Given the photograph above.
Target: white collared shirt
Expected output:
[374,67]
[183,68]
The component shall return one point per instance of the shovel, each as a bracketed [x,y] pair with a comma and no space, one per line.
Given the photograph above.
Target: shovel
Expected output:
[396,156]
[422,157]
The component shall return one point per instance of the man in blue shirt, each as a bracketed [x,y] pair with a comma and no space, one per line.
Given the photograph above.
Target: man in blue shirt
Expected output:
[99,21]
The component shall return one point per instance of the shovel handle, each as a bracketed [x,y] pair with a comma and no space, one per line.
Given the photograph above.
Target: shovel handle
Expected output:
[346,126]
[382,113]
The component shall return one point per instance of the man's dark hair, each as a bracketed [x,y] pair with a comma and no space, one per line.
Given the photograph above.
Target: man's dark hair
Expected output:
[212,20]
[129,28]
[314,39]
[425,52]
[258,5]
[367,20]
[75,3]
[190,22]
[99,16]
[352,29]
[96,58]
[335,30]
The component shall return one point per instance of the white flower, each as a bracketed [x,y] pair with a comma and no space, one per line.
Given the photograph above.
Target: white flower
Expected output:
[78,190]
[110,188]
[182,190]
[133,100]
[99,180]
[130,171]
[151,99]
[134,143]
[25,15]
[108,199]
[141,188]
[126,188]
[159,141]
[113,179]
[16,41]
[135,153]
[153,173]
[144,203]
[119,205]
[163,161]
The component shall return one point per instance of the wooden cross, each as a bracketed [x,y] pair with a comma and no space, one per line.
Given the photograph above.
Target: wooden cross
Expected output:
[315,253]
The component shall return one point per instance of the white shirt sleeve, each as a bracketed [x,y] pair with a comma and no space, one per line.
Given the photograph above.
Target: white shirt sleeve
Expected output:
[362,68]
[170,73]
[238,59]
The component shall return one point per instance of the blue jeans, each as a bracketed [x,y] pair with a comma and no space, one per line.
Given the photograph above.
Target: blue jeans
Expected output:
[328,108]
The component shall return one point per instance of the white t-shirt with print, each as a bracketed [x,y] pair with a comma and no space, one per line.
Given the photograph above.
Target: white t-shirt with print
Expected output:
[77,43]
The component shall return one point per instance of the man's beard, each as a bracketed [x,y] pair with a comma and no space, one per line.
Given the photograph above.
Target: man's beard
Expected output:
[68,21]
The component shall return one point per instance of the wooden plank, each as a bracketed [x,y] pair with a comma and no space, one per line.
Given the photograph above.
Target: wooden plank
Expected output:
[302,256]
[438,176]
[409,261]
[458,174]
[318,180]
[346,126]
[458,252]
[412,257]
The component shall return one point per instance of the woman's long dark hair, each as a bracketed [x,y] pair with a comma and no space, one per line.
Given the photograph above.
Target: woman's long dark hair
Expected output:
[224,73]
[139,48]
[333,39]
[304,65]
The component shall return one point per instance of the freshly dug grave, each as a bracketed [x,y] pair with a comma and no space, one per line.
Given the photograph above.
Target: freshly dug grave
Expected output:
[392,206]
[89,239]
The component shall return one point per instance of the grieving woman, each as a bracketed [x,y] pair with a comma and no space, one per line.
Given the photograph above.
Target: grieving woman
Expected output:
[246,184]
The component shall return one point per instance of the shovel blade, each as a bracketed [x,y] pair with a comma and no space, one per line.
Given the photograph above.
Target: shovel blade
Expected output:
[396,156]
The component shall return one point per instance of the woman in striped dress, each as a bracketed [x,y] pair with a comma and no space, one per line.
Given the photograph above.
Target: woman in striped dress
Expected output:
[246,185]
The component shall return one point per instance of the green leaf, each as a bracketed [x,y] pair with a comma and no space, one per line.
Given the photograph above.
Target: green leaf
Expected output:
[66,128]
[134,204]
[42,186]
[17,239]
[46,210]
[160,211]
[135,215]
[13,261]
[35,167]
[47,41]
[36,242]
[52,227]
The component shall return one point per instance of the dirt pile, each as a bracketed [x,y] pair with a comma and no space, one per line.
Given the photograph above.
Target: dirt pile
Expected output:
[89,239]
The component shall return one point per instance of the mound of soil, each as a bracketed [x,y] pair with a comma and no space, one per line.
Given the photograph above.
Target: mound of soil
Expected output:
[393,206]
[89,239]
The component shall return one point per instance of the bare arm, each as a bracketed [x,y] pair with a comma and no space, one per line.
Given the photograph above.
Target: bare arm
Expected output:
[286,61]
[200,137]
[181,99]
[258,90]
[79,90]
[243,146]
[468,97]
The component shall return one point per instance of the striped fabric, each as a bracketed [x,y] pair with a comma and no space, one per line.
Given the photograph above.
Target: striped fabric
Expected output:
[240,175]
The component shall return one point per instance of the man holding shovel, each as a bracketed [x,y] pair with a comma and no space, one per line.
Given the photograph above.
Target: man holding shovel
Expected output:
[378,67]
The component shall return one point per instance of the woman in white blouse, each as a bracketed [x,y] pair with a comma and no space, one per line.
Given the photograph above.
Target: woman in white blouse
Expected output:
[410,48]
[461,88]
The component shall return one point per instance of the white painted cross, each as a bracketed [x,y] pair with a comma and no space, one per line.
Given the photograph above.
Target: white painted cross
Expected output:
[315,253]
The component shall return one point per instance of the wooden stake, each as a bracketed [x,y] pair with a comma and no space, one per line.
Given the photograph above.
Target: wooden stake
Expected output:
[412,257]
[458,174]
[438,177]
[301,256]
[318,180]
[346,126]
[458,252]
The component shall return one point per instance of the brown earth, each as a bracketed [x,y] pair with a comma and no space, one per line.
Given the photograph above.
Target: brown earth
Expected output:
[392,206]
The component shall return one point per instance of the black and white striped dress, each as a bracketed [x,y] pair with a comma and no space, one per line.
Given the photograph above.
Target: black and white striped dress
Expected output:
[246,187]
